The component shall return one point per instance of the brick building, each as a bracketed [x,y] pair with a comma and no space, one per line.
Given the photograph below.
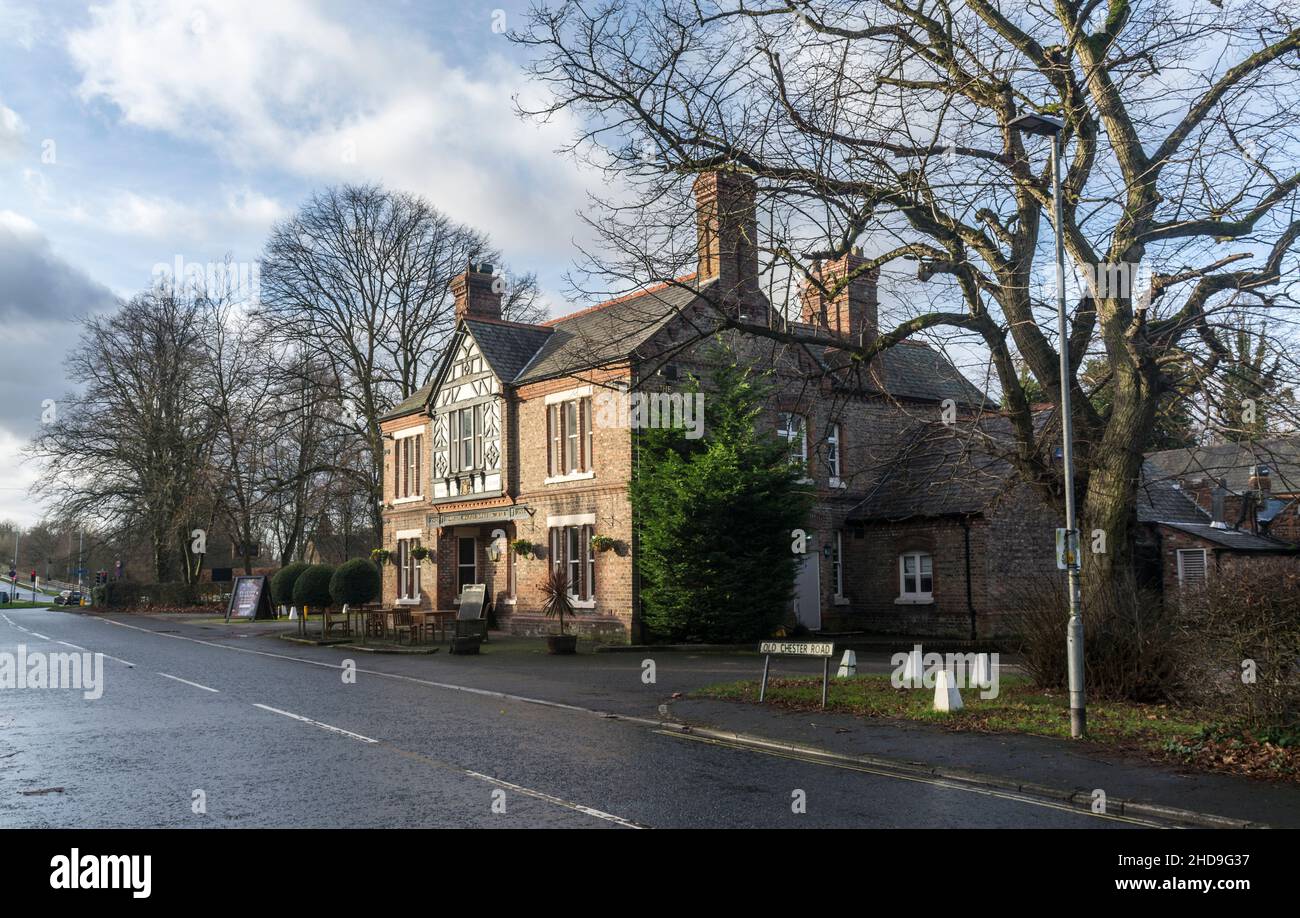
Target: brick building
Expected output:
[915,528]
[1229,507]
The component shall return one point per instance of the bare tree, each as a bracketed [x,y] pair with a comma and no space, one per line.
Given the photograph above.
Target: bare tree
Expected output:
[358,281]
[132,447]
[888,124]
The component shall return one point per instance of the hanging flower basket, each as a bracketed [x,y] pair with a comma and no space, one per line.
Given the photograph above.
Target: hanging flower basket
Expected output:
[419,553]
[522,547]
[603,543]
[380,555]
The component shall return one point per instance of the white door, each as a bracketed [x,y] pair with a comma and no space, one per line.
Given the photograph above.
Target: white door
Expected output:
[808,592]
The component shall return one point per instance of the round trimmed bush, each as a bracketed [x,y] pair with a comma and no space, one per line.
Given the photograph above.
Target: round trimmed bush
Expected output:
[355,582]
[283,580]
[312,588]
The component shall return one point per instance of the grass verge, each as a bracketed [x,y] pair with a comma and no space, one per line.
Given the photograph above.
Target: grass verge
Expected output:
[1159,731]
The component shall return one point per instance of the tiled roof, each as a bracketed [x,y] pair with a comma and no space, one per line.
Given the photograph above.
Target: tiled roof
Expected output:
[413,403]
[915,370]
[607,333]
[942,470]
[1161,501]
[1233,461]
[507,346]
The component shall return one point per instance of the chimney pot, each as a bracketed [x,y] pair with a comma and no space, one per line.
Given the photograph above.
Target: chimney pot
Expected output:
[851,309]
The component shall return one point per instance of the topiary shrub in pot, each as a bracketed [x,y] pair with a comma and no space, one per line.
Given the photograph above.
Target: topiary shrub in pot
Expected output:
[312,588]
[283,580]
[355,582]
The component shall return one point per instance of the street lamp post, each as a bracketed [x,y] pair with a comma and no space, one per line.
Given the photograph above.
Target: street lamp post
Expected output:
[1042,125]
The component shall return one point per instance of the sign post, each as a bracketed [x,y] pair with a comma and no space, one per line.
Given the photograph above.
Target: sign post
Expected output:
[797,649]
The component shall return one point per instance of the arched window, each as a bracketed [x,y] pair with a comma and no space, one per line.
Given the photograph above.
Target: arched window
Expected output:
[915,577]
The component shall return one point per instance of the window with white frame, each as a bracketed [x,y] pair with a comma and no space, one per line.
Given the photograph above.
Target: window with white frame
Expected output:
[1191,567]
[833,453]
[793,429]
[408,456]
[465,433]
[916,576]
[571,552]
[408,570]
[568,437]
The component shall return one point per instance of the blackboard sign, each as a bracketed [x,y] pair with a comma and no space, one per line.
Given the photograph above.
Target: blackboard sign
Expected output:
[250,598]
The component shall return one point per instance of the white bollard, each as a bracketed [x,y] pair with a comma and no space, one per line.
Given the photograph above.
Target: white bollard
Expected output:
[913,671]
[848,665]
[979,673]
[946,696]
[293,613]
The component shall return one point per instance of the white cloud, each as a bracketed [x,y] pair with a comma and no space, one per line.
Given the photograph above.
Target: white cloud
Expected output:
[18,24]
[12,130]
[279,85]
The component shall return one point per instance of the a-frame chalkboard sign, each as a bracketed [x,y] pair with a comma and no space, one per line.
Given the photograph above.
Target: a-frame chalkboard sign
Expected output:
[250,598]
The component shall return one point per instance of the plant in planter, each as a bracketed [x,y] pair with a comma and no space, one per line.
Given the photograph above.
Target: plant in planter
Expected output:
[522,547]
[419,553]
[312,588]
[380,555]
[603,543]
[355,583]
[557,601]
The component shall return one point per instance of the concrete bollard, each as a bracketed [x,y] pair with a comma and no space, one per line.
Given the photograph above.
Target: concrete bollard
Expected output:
[979,673]
[848,665]
[946,696]
[293,613]
[913,671]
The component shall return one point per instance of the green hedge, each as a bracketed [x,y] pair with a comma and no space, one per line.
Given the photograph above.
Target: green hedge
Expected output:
[128,593]
[355,582]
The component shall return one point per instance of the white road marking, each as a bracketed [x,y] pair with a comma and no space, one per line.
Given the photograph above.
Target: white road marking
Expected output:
[316,723]
[38,635]
[558,801]
[73,646]
[187,682]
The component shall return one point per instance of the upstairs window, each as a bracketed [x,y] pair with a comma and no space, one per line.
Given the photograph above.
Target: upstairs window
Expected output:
[408,454]
[833,452]
[568,437]
[793,429]
[465,429]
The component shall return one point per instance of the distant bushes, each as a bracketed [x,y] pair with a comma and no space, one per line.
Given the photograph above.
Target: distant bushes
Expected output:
[129,594]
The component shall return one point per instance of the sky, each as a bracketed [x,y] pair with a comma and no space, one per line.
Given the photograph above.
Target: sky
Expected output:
[137,132]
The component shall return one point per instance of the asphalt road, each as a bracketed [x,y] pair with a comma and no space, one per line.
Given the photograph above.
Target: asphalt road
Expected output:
[269,733]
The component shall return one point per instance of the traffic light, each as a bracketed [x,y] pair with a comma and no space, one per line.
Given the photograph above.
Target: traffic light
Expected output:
[33,578]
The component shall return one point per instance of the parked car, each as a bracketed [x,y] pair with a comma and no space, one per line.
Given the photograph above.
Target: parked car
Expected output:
[68,598]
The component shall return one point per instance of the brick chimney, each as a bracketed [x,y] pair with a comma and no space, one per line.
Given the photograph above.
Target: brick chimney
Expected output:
[1260,480]
[851,308]
[727,236]
[477,292]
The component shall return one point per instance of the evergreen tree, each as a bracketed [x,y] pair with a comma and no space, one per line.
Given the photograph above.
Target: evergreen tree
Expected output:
[714,516]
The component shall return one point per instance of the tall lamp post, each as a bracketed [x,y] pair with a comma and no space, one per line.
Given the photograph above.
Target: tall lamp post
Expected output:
[1044,126]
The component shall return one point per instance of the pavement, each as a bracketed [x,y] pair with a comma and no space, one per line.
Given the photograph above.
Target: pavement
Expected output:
[204,723]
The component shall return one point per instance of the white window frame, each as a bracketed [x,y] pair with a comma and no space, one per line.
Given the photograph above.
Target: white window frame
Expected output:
[833,456]
[918,595]
[788,432]
[408,465]
[408,569]
[1205,566]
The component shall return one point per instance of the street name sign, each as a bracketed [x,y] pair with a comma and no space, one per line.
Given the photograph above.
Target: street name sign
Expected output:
[823,649]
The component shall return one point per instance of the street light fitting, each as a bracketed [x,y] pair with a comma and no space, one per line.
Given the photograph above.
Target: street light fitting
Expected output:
[1034,123]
